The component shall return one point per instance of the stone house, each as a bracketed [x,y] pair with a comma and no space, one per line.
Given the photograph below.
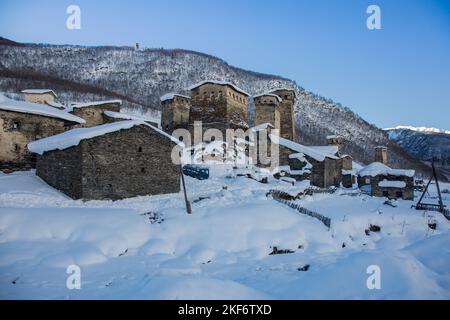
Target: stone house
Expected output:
[321,164]
[112,161]
[93,112]
[39,95]
[174,111]
[379,180]
[22,122]
[218,104]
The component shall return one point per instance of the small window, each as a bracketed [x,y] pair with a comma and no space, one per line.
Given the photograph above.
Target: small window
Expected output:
[16,148]
[142,170]
[213,138]
[16,125]
[180,138]
[367,180]
[140,149]
[386,194]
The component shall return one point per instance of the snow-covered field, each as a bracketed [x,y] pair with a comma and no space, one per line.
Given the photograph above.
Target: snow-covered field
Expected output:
[149,248]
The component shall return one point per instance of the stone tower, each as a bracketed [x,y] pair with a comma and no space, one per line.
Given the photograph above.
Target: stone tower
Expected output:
[175,111]
[220,105]
[286,108]
[381,155]
[266,112]
[266,109]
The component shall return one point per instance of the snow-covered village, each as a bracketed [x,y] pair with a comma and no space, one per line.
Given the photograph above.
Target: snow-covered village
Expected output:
[196,180]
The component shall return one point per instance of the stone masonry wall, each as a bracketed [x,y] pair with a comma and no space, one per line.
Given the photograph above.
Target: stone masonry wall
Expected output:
[61,169]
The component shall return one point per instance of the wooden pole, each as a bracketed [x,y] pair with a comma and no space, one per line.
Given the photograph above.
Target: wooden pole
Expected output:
[188,204]
[441,204]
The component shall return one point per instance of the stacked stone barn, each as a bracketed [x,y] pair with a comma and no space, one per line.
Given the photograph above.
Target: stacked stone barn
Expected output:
[379,180]
[111,161]
[22,122]
[93,112]
[219,105]
[175,111]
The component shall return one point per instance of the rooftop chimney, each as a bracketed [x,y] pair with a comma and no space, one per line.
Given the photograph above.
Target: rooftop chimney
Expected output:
[381,155]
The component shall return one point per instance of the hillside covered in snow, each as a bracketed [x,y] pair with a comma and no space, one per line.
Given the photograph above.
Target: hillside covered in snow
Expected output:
[239,243]
[140,77]
[424,144]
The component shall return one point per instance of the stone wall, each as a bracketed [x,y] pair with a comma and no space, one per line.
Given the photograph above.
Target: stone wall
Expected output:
[61,169]
[94,115]
[117,165]
[17,130]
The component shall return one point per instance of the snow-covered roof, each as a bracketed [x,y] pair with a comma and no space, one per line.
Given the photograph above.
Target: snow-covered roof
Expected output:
[55,104]
[36,108]
[39,91]
[283,89]
[170,96]
[73,137]
[269,95]
[392,184]
[222,83]
[378,168]
[95,103]
[318,153]
[125,116]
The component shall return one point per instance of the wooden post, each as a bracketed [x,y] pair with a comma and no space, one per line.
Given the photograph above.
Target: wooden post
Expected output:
[188,204]
[441,204]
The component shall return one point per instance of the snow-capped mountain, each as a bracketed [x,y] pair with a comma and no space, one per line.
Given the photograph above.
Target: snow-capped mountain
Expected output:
[424,144]
[418,129]
[140,77]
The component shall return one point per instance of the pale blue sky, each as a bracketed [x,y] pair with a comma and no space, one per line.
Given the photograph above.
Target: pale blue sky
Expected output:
[397,75]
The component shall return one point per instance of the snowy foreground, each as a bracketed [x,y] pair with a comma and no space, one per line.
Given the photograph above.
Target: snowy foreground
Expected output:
[149,248]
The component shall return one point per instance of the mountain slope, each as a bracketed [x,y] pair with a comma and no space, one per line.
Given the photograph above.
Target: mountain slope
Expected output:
[141,77]
[424,144]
